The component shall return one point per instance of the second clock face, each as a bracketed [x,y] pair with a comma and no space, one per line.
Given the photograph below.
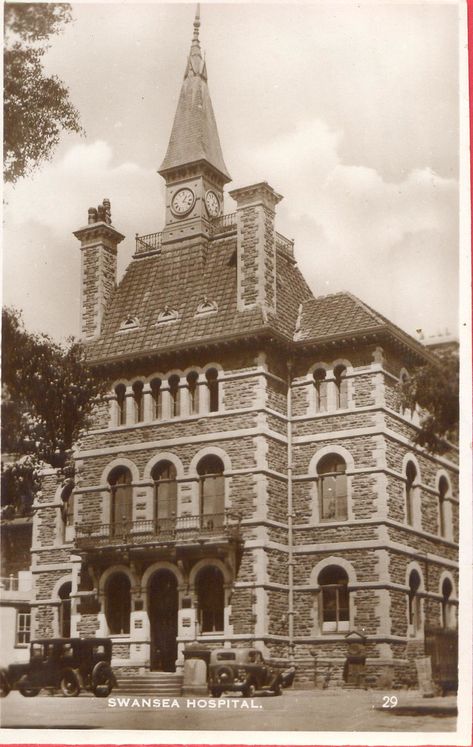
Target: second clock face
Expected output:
[183,201]
[212,204]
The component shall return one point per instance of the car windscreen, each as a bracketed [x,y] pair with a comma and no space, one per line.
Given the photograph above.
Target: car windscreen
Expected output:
[226,656]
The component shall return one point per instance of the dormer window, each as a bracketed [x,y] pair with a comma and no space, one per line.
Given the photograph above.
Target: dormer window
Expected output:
[168,315]
[131,322]
[206,307]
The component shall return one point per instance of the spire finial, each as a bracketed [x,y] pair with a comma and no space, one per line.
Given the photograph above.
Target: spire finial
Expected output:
[196,24]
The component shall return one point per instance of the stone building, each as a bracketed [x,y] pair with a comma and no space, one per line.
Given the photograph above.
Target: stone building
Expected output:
[251,477]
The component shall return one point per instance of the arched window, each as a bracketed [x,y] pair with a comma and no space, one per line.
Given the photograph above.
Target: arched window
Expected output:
[414,603]
[118,604]
[174,395]
[165,495]
[65,610]
[210,599]
[157,399]
[411,474]
[443,490]
[212,491]
[193,387]
[212,384]
[341,388]
[121,500]
[447,589]
[120,391]
[332,488]
[334,608]
[320,386]
[138,401]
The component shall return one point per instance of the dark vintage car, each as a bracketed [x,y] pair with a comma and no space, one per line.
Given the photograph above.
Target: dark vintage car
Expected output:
[245,670]
[66,664]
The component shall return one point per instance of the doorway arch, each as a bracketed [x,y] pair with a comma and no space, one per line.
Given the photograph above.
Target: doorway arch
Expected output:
[162,611]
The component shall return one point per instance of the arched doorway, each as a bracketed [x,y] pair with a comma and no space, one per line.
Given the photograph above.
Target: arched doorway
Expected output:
[162,610]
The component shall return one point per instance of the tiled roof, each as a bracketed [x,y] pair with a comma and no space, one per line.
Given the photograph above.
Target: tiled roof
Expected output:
[179,280]
[336,314]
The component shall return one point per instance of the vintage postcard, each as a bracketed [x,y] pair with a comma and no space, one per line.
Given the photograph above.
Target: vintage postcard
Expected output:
[236,494]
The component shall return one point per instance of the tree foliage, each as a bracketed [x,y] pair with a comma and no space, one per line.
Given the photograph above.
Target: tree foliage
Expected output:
[37,107]
[48,397]
[434,388]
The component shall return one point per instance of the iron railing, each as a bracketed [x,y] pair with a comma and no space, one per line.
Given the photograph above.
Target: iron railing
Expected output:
[223,224]
[287,245]
[151,242]
[151,531]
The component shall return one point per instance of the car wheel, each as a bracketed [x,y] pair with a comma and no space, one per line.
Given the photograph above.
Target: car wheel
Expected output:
[26,689]
[4,684]
[278,689]
[249,690]
[216,692]
[102,680]
[69,683]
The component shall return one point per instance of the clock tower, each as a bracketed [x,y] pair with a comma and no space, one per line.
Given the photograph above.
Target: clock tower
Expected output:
[193,167]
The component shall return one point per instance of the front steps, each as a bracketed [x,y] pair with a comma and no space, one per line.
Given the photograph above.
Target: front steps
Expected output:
[152,684]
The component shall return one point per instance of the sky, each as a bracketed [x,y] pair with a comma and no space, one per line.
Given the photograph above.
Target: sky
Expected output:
[349,110]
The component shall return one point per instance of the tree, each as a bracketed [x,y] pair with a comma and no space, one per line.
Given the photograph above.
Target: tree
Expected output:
[434,389]
[37,107]
[48,397]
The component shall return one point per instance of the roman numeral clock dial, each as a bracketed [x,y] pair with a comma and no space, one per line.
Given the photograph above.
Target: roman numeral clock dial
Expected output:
[183,202]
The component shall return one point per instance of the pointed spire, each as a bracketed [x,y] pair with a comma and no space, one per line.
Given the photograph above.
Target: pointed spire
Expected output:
[194,135]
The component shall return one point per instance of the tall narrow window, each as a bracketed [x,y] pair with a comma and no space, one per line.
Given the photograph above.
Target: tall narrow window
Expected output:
[174,396]
[212,384]
[341,388]
[212,491]
[335,610]
[411,474]
[320,385]
[210,599]
[332,488]
[157,398]
[165,495]
[193,388]
[446,604]
[443,490]
[120,391]
[121,501]
[138,400]
[23,626]
[414,603]
[118,604]
[65,610]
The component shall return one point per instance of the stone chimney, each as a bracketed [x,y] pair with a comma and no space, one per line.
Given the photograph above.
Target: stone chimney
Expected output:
[256,250]
[99,241]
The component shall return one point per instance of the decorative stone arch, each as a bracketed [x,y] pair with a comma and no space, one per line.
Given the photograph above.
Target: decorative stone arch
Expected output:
[313,406]
[415,499]
[198,369]
[109,572]
[317,608]
[443,473]
[226,572]
[445,526]
[316,366]
[121,462]
[218,367]
[126,383]
[414,566]
[163,456]
[410,457]
[340,451]
[173,372]
[160,565]
[66,579]
[63,606]
[215,598]
[207,397]
[444,576]
[342,362]
[415,626]
[209,451]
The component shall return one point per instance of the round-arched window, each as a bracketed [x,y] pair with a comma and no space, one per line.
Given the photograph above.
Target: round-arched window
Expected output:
[332,488]
[212,491]
[334,608]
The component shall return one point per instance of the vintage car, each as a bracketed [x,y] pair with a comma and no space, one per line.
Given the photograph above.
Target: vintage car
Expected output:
[66,664]
[245,670]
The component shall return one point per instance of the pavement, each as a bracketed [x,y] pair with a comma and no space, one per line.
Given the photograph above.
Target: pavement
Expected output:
[294,711]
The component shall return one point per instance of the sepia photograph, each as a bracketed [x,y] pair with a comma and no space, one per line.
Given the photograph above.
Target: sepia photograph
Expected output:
[236,486]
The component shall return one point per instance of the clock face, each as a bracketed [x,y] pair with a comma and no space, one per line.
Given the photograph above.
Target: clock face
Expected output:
[212,204]
[183,201]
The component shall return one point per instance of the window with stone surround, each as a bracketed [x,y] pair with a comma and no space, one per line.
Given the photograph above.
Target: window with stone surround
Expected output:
[121,503]
[212,384]
[447,607]
[212,491]
[414,604]
[411,475]
[210,600]
[193,388]
[332,488]
[341,387]
[120,392]
[23,626]
[334,596]
[174,396]
[138,401]
[320,386]
[442,505]
[118,604]
[165,495]
[64,621]
[156,395]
